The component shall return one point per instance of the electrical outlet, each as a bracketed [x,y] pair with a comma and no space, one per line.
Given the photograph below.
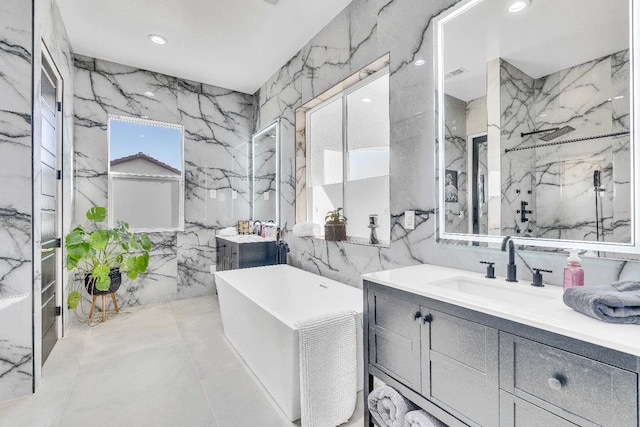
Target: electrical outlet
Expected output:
[409,220]
[212,194]
[212,268]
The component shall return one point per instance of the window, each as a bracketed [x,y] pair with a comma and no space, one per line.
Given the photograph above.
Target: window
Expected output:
[348,157]
[146,174]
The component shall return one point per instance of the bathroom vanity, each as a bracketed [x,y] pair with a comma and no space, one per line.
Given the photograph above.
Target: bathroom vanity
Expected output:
[244,251]
[484,352]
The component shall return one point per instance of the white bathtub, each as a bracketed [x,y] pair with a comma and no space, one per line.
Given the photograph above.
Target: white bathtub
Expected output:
[260,307]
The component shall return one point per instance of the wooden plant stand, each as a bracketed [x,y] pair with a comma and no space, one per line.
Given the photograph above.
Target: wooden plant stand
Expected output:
[104,305]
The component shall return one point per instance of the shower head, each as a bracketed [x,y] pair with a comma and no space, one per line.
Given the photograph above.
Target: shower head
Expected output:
[558,133]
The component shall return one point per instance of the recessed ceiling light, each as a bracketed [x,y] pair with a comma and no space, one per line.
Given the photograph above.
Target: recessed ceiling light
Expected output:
[518,5]
[149,94]
[366,100]
[420,62]
[157,39]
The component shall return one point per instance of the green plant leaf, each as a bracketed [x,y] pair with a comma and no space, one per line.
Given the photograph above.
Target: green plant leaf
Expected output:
[99,239]
[71,262]
[100,271]
[75,237]
[97,214]
[78,251]
[132,274]
[142,262]
[103,283]
[145,242]
[73,299]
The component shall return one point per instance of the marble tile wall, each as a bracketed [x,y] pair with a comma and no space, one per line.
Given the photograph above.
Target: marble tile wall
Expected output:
[218,124]
[362,32]
[24,27]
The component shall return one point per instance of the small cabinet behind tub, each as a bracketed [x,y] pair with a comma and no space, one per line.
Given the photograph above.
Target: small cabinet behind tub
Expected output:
[231,255]
[472,369]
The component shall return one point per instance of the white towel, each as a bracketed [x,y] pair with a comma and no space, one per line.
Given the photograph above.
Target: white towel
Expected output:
[229,231]
[422,418]
[306,229]
[328,369]
[388,407]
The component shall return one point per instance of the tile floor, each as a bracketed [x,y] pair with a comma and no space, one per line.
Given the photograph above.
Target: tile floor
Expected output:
[162,365]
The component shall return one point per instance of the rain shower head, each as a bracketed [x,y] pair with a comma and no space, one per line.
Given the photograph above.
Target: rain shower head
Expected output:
[558,133]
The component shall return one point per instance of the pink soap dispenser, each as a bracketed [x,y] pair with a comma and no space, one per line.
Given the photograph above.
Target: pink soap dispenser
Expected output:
[573,272]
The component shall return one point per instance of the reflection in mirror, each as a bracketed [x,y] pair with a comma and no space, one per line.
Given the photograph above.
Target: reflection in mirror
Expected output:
[265,149]
[535,116]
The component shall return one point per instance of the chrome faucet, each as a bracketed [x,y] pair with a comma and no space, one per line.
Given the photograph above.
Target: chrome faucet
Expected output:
[511,267]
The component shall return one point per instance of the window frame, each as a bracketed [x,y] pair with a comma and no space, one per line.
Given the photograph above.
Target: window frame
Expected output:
[126,175]
[343,95]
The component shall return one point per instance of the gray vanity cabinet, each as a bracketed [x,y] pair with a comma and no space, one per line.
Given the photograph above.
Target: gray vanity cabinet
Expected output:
[472,369]
[231,255]
[447,359]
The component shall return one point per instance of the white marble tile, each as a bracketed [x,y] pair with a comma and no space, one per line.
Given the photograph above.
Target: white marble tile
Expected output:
[15,347]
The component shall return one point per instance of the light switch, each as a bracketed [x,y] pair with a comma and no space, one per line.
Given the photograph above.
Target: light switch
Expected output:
[266,195]
[409,220]
[212,194]
[234,194]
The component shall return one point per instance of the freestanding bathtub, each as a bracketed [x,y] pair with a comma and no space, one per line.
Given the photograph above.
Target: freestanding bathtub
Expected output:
[260,307]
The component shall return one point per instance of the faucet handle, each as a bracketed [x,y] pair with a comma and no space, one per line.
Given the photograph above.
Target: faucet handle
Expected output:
[491,272]
[537,276]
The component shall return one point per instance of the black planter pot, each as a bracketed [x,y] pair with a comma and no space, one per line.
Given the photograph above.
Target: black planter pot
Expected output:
[116,281]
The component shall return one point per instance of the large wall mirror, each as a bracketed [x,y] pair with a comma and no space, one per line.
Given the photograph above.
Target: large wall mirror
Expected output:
[265,171]
[535,111]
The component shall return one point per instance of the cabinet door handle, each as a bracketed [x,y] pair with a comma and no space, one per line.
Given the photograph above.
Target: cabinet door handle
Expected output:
[427,318]
[417,316]
[556,382]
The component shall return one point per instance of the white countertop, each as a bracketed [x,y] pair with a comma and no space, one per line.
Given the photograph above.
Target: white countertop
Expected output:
[551,315]
[246,238]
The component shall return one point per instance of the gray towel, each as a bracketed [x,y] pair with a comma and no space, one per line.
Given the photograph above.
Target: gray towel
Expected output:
[422,418]
[388,407]
[616,303]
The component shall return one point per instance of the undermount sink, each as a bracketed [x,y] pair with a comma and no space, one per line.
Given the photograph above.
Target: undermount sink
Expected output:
[497,290]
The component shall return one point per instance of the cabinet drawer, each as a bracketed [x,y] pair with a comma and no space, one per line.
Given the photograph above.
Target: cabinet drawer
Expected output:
[563,381]
[520,413]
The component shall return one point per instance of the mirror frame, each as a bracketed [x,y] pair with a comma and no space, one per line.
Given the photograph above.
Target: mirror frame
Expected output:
[634,245]
[275,124]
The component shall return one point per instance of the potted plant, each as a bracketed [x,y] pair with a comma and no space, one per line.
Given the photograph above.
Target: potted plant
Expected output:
[335,225]
[102,254]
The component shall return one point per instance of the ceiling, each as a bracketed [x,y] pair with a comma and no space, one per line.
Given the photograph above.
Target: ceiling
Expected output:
[234,44]
[547,37]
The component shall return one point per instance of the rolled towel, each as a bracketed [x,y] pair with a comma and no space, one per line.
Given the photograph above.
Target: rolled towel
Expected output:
[388,407]
[422,418]
[306,229]
[228,231]
[617,302]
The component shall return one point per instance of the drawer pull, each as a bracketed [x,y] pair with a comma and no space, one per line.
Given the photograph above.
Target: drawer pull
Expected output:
[417,316]
[427,318]
[556,382]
